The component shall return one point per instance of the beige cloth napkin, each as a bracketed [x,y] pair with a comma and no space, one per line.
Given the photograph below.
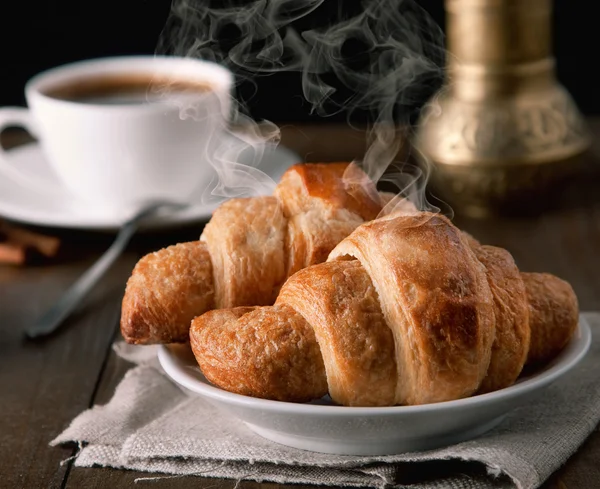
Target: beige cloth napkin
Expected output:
[152,425]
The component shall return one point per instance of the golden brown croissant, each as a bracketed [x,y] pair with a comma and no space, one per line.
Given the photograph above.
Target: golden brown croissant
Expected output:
[407,310]
[247,250]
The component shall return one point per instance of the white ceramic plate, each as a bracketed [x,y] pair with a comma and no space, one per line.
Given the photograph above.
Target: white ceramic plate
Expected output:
[58,208]
[323,427]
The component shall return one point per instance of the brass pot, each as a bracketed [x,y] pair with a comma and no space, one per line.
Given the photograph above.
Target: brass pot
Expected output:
[502,130]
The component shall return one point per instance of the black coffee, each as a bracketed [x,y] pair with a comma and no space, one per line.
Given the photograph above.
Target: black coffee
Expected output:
[124,89]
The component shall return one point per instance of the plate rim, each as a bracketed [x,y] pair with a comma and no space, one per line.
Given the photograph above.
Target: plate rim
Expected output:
[571,355]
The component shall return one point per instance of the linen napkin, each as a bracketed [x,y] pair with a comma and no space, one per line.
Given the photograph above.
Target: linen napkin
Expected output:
[152,425]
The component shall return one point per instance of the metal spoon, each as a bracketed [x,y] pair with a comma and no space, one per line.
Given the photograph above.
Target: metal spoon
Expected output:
[54,317]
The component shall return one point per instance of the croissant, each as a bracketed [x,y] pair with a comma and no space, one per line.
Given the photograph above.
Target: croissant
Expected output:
[407,310]
[247,250]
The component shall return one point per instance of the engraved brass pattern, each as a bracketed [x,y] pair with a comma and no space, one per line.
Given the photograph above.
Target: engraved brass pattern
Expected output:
[502,126]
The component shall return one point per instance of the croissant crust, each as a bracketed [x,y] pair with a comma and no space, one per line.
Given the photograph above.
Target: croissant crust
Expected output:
[251,245]
[407,310]
[161,308]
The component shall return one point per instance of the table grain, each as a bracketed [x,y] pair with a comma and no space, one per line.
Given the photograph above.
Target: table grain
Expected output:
[44,384]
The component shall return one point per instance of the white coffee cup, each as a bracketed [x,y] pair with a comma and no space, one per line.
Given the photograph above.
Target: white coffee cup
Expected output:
[117,153]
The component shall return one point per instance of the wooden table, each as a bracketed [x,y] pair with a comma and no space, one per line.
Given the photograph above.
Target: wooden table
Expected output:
[44,384]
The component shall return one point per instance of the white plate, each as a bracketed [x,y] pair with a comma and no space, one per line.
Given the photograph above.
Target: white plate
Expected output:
[324,427]
[58,208]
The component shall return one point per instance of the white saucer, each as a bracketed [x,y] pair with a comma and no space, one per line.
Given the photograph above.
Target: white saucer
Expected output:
[323,427]
[59,208]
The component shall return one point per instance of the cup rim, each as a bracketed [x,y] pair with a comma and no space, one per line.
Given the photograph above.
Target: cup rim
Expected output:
[220,78]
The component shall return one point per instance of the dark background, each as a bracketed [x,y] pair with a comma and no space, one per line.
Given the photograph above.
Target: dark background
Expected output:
[39,34]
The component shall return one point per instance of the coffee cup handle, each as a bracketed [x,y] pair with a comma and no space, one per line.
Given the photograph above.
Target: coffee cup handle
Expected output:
[18,117]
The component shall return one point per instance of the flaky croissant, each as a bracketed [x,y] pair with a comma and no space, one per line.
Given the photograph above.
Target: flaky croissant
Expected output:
[407,310]
[247,250]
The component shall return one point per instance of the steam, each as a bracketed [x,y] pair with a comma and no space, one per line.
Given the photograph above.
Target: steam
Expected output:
[372,64]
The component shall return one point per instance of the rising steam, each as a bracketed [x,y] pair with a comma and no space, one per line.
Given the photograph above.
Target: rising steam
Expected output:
[372,64]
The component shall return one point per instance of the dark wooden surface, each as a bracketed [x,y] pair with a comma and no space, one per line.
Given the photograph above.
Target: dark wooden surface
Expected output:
[45,383]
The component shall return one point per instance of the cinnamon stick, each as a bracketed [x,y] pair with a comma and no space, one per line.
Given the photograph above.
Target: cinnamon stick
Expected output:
[46,245]
[12,254]
[19,246]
